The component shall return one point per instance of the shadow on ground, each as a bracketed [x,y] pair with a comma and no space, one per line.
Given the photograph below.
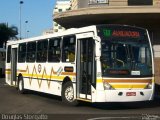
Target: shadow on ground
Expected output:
[128,105]
[106,106]
[157,89]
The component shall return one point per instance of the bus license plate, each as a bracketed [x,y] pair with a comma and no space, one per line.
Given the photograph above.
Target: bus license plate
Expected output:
[131,94]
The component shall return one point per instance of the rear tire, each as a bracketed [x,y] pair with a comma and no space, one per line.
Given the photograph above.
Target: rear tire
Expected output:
[68,94]
[21,86]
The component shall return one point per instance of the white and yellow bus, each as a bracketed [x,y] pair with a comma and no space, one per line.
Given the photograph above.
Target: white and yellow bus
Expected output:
[99,63]
[2,62]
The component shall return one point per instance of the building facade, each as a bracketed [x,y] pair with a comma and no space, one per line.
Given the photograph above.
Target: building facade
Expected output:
[75,4]
[61,6]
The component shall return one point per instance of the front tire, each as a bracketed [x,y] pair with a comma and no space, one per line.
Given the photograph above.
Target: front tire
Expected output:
[68,94]
[21,86]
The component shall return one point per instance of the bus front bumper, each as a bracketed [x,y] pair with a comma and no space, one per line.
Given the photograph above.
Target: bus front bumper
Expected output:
[124,95]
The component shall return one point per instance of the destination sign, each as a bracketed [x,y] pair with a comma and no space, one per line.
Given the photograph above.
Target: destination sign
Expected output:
[120,33]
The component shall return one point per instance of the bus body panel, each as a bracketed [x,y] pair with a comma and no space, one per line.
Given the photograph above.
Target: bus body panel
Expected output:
[8,74]
[44,77]
[113,95]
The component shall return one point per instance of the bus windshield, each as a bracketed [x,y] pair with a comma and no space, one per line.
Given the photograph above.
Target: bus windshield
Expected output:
[125,52]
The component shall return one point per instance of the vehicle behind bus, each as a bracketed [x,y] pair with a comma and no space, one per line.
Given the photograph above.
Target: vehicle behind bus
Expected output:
[2,62]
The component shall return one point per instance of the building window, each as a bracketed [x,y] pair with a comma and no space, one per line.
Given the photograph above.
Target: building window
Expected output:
[59,10]
[68,9]
[42,47]
[55,30]
[140,2]
[60,27]
[22,53]
[68,54]
[98,1]
[55,24]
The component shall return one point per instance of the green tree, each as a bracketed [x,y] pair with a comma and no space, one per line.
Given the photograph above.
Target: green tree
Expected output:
[7,33]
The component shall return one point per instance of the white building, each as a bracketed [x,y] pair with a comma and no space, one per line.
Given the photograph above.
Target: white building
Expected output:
[61,6]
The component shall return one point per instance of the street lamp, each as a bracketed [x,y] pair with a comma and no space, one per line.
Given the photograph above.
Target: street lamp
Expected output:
[20,9]
[26,28]
[27,33]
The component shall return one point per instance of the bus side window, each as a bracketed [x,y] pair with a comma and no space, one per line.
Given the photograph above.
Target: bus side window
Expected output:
[2,56]
[22,53]
[9,54]
[31,52]
[54,51]
[68,53]
[42,47]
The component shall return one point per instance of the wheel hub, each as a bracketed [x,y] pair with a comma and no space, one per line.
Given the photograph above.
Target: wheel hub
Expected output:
[69,94]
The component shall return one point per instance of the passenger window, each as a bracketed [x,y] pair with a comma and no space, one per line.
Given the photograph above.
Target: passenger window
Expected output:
[54,52]
[31,52]
[9,54]
[42,47]
[22,53]
[68,54]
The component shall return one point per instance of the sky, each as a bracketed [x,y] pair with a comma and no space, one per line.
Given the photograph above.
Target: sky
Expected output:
[38,13]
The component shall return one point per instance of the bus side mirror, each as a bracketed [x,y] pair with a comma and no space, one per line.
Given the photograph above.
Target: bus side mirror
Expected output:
[97,47]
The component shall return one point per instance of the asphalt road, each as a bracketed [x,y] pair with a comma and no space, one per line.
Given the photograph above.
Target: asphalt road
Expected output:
[34,103]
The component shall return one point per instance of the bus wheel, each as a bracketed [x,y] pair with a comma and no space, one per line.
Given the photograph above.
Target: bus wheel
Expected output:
[21,86]
[68,94]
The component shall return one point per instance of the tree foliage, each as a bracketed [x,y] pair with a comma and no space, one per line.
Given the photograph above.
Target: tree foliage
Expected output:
[7,33]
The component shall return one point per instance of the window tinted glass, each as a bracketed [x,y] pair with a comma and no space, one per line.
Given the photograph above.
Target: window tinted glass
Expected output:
[9,54]
[31,52]
[54,51]
[68,54]
[22,52]
[140,2]
[42,47]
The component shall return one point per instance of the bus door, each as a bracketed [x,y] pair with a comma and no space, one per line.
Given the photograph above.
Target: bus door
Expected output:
[85,67]
[13,64]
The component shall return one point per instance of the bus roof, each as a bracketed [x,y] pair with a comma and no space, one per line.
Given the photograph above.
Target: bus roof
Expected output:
[58,34]
[65,33]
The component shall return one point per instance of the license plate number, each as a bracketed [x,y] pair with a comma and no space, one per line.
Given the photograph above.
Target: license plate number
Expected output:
[131,94]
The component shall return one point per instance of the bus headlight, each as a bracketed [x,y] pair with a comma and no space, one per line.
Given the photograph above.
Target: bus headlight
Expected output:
[107,86]
[149,86]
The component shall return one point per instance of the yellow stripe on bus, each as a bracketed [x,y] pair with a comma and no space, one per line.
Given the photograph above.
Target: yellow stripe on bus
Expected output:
[129,86]
[41,76]
[8,72]
[99,81]
[82,99]
[45,76]
[125,80]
